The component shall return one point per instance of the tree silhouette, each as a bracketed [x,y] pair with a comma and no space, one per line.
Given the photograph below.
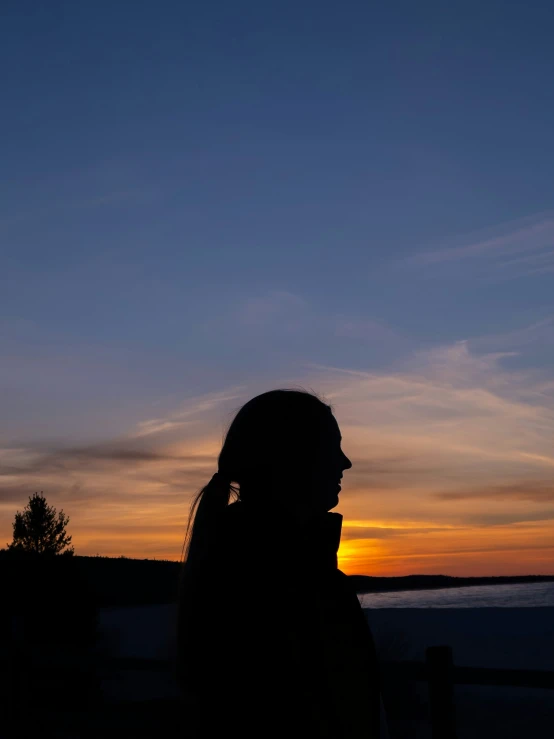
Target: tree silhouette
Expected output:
[40,529]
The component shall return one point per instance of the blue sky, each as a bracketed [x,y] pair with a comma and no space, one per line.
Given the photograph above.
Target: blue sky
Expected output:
[205,200]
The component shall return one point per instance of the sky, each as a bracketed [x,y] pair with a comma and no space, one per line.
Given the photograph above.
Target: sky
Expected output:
[201,201]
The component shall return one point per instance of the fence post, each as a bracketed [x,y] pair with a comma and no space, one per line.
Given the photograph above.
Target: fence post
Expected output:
[440,665]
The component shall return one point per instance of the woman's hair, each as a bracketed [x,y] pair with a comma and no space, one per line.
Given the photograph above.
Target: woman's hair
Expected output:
[274,434]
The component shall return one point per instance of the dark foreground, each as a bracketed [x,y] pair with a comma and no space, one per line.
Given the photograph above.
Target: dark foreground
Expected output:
[61,628]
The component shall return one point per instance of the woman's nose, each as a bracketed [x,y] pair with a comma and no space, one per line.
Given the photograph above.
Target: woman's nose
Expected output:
[346,463]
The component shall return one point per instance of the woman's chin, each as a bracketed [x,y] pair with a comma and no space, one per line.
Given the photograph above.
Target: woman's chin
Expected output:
[333,502]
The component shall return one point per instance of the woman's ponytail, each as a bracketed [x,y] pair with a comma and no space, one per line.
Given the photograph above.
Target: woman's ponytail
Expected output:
[206,507]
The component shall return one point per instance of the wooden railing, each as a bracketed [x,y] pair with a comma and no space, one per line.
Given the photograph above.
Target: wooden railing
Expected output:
[441,676]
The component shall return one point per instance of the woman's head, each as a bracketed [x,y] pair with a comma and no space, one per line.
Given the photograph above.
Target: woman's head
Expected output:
[283,449]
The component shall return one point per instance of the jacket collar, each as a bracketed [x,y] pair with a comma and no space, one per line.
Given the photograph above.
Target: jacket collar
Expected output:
[311,542]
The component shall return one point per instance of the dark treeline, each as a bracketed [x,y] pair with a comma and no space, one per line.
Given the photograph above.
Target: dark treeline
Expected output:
[119,581]
[105,581]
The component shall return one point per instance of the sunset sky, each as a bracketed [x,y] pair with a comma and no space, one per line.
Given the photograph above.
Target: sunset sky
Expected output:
[202,201]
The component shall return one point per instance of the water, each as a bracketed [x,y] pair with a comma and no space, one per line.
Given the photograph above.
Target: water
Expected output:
[530,595]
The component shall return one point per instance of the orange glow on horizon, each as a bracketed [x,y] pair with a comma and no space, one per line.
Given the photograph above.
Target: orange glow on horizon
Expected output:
[516,549]
[390,549]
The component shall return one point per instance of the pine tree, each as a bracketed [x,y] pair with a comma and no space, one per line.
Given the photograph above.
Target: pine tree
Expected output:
[40,529]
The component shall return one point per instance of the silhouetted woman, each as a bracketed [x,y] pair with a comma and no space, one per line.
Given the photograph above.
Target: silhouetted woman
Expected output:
[272,641]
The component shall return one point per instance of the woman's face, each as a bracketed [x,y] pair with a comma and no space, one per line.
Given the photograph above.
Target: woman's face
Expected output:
[307,464]
[328,470]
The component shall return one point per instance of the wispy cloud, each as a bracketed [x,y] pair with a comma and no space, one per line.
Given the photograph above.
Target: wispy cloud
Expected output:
[538,332]
[537,491]
[194,409]
[518,248]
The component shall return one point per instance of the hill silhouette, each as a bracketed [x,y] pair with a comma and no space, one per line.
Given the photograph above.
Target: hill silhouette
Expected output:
[370,584]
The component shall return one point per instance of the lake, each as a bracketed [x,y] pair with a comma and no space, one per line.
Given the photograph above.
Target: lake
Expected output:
[526,595]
